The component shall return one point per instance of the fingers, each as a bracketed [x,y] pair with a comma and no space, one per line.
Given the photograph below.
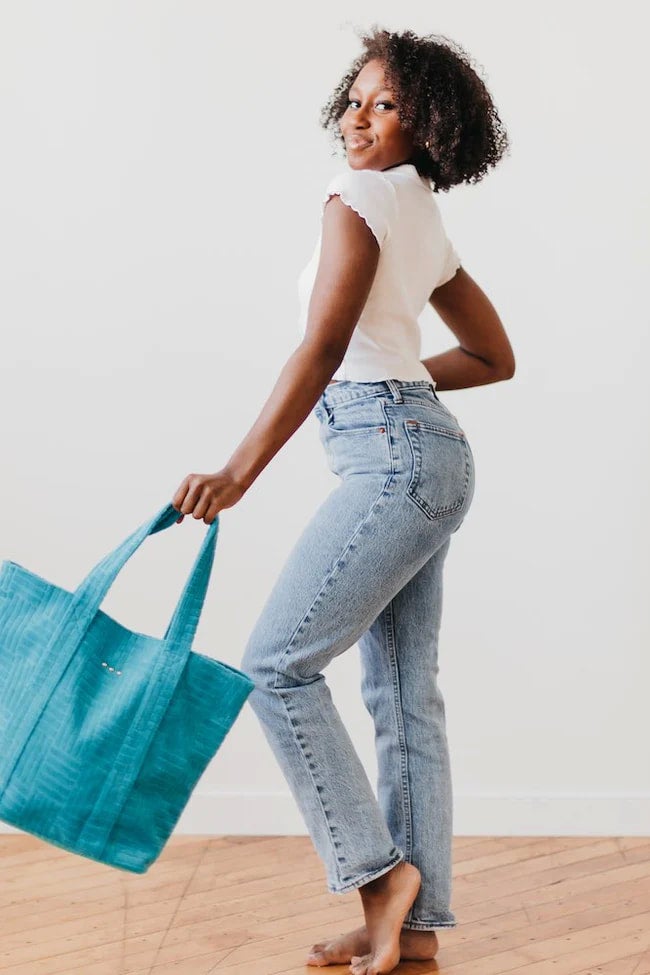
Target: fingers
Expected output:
[181,495]
[212,513]
[204,495]
[205,507]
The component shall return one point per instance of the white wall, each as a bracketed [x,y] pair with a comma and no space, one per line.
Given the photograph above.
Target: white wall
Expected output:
[162,168]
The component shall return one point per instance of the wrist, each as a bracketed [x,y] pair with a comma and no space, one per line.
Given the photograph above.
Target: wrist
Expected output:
[240,474]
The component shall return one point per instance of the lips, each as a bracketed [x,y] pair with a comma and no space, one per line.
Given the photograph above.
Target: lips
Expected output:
[358,143]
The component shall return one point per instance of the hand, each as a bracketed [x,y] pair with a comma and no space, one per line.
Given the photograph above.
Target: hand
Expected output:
[204,495]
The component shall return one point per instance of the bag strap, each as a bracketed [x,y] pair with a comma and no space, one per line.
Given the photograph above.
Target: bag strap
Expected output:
[65,637]
[91,592]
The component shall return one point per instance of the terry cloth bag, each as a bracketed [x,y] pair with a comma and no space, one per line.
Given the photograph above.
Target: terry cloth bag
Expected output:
[105,732]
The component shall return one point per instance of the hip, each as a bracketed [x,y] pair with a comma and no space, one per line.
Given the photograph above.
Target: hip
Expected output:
[398,432]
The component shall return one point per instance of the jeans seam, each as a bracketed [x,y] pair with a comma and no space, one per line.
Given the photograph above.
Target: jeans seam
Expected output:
[428,925]
[389,437]
[391,642]
[407,812]
[364,522]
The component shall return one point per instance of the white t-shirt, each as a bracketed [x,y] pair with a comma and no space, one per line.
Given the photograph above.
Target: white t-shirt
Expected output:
[415,257]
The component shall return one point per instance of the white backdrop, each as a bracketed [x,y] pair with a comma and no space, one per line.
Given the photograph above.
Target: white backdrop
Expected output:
[162,169]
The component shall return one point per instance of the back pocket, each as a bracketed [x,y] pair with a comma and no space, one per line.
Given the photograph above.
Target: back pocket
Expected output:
[440,467]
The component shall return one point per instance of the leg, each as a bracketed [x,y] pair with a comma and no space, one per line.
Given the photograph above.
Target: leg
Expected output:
[351,559]
[407,481]
[399,656]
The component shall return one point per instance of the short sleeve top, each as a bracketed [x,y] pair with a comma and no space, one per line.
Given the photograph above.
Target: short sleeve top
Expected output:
[451,264]
[371,195]
[416,257]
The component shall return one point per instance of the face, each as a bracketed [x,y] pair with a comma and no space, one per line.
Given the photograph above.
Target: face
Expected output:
[374,137]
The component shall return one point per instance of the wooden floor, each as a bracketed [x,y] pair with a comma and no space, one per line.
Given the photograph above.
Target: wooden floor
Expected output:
[254,905]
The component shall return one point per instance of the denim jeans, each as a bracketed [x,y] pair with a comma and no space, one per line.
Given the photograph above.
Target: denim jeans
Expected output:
[368,570]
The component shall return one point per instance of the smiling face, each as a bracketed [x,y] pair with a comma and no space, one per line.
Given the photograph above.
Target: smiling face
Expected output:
[374,137]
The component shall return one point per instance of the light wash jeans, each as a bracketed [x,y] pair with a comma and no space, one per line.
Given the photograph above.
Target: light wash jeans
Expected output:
[368,570]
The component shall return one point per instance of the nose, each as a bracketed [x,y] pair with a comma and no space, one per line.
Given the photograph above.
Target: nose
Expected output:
[359,120]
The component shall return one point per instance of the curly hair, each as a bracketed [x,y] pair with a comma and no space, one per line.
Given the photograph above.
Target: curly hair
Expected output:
[441,101]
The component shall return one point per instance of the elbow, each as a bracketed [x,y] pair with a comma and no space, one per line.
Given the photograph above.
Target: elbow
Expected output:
[324,351]
[506,369]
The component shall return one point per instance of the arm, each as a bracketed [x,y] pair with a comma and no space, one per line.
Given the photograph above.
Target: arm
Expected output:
[348,262]
[484,354]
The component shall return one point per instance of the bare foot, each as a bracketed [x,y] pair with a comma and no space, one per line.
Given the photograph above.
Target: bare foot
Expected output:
[340,950]
[386,902]
[413,946]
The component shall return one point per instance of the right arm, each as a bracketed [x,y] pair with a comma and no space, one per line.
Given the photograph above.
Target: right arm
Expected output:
[349,255]
[484,354]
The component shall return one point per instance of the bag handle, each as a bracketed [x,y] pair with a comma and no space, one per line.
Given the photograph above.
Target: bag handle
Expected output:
[91,592]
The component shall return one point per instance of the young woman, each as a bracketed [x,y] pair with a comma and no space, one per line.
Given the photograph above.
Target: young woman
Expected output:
[414,118]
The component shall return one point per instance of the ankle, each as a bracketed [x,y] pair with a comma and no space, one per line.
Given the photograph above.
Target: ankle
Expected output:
[379,884]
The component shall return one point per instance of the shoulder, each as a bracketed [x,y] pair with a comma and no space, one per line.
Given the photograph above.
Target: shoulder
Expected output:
[369,185]
[370,194]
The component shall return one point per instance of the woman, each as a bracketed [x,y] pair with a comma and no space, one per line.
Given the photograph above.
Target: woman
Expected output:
[367,569]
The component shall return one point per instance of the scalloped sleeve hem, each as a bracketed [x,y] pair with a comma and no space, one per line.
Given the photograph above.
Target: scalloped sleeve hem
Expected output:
[370,195]
[452,263]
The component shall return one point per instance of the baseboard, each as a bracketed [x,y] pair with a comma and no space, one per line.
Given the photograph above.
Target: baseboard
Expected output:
[211,812]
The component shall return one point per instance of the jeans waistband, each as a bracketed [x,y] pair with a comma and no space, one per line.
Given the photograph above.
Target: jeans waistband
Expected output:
[397,389]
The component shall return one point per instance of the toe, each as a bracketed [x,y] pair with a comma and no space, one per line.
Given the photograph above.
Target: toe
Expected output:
[316,957]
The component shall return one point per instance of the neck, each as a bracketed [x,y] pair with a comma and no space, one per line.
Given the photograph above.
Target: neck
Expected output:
[402,163]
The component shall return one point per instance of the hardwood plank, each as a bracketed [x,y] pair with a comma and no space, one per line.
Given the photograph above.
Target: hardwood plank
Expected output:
[255,905]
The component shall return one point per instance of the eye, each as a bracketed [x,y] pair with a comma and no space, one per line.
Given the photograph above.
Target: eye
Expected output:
[389,104]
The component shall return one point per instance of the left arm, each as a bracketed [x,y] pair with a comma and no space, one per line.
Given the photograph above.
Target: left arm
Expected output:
[484,354]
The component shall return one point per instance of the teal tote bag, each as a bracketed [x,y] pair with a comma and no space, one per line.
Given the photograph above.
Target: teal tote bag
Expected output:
[105,732]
